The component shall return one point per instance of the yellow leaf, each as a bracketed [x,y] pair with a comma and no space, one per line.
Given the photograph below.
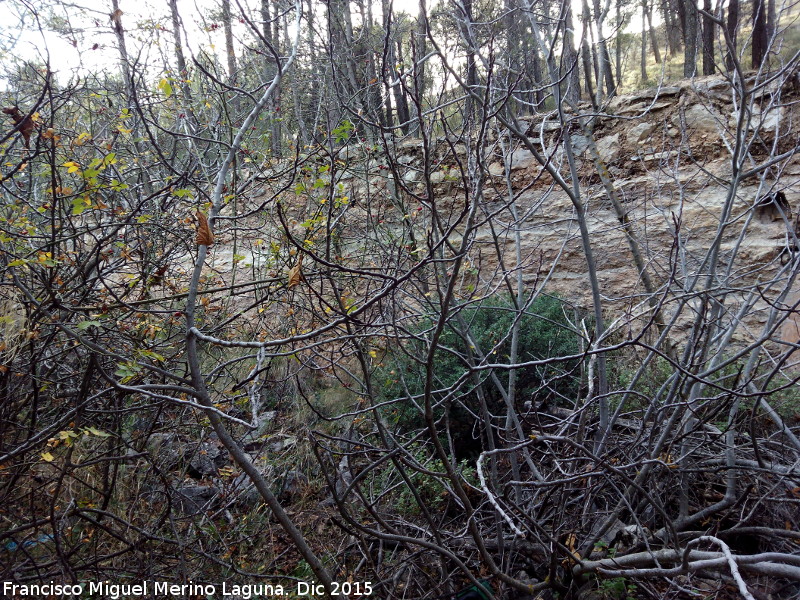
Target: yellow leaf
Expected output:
[46,456]
[165,87]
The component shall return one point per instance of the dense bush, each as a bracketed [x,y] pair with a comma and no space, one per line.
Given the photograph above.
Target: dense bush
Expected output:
[544,331]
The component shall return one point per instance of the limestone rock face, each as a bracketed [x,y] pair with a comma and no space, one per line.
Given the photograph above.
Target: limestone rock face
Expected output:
[768,120]
[700,119]
[609,148]
[496,169]
[667,161]
[579,143]
[522,159]
[639,133]
[437,177]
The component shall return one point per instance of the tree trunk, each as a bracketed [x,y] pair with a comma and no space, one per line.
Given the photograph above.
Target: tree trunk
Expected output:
[472,72]
[266,21]
[180,59]
[709,29]
[589,64]
[513,44]
[271,30]
[419,50]
[611,87]
[528,96]
[653,37]
[400,97]
[760,37]
[679,7]
[771,19]
[732,26]
[644,42]
[618,43]
[690,39]
[537,75]
[604,56]
[119,32]
[586,58]
[316,93]
[569,66]
[371,78]
[347,97]
[229,52]
[672,28]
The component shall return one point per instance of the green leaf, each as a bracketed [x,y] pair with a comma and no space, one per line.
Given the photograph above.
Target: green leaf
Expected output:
[165,87]
[150,354]
[80,204]
[97,432]
[342,132]
[127,370]
[84,325]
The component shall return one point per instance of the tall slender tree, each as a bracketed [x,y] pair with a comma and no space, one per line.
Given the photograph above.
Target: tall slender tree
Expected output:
[230,52]
[648,9]
[644,42]
[709,31]
[760,33]
[732,28]
[690,38]
[569,59]
[672,25]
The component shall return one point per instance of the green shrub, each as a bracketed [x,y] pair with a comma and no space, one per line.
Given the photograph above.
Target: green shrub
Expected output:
[617,588]
[431,489]
[544,332]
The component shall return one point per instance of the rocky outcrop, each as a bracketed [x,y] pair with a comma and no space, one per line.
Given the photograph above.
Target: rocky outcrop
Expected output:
[667,153]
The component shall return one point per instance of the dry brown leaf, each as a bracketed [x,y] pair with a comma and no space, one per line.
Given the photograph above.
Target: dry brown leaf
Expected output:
[295,273]
[204,235]
[116,20]
[22,123]
[570,543]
